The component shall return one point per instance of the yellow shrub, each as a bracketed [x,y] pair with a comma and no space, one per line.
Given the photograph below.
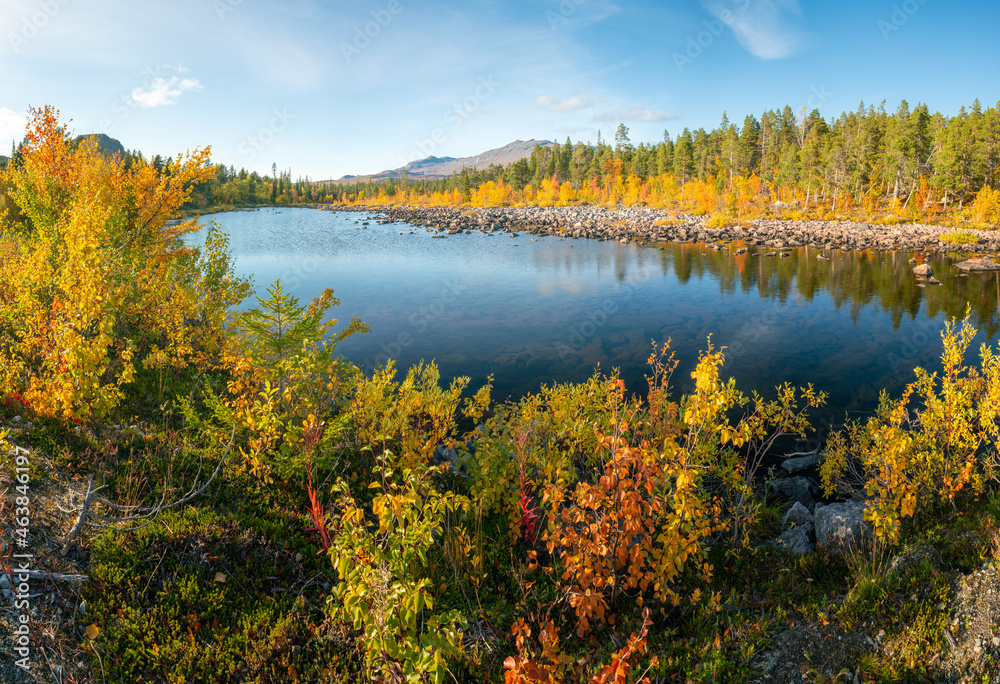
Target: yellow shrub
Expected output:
[98,286]
[912,459]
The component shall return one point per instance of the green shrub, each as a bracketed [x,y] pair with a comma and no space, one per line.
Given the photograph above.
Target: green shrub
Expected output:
[383,590]
[959,237]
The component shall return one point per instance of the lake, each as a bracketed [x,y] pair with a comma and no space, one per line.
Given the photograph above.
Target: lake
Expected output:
[533,311]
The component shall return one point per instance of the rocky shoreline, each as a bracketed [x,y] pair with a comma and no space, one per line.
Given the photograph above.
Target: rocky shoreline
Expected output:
[641,224]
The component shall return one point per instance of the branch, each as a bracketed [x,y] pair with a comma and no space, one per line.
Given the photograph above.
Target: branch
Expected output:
[140,513]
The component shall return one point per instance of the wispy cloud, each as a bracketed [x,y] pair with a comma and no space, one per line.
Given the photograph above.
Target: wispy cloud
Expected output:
[568,104]
[766,28]
[635,113]
[164,91]
[578,14]
[12,127]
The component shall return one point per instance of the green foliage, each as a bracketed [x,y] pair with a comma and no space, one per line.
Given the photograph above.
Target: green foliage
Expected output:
[560,423]
[909,605]
[411,418]
[383,590]
[286,382]
[959,237]
[213,596]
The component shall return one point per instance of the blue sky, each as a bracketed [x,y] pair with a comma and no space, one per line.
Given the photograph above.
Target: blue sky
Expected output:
[328,88]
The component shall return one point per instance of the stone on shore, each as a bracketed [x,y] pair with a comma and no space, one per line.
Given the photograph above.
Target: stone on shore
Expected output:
[797,465]
[841,527]
[796,488]
[796,540]
[977,265]
[797,515]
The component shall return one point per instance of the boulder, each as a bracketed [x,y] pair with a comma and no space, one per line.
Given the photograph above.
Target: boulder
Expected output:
[796,465]
[976,265]
[796,488]
[796,540]
[842,527]
[798,515]
[924,270]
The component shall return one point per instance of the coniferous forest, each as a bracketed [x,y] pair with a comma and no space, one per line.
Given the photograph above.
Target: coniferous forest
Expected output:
[871,164]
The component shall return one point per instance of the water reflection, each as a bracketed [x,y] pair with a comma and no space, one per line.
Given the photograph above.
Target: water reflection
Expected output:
[532,311]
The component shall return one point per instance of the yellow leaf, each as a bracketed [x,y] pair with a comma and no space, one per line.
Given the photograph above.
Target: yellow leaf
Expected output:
[92,632]
[220,577]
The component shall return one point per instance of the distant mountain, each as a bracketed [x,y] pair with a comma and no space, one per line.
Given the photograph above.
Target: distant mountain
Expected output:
[3,161]
[106,145]
[442,167]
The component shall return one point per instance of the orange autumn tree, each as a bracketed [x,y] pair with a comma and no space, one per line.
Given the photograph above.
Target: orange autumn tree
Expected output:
[97,285]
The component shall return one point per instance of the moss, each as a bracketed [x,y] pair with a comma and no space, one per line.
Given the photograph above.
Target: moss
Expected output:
[208,595]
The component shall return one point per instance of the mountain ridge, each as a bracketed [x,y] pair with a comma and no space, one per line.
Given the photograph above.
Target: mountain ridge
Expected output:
[432,167]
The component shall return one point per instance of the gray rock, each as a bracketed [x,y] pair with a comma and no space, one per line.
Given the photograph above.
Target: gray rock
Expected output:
[975,265]
[797,515]
[5,586]
[841,526]
[796,540]
[796,488]
[923,270]
[797,465]
[456,462]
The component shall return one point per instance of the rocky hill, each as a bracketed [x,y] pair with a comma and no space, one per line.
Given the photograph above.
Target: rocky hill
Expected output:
[442,167]
[107,145]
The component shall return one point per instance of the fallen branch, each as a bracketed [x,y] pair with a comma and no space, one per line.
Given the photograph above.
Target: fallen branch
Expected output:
[55,576]
[134,514]
[802,453]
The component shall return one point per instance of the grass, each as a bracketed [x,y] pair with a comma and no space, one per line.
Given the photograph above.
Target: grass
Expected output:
[959,237]
[668,222]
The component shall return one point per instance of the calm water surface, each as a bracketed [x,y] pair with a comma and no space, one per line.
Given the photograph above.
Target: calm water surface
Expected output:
[536,311]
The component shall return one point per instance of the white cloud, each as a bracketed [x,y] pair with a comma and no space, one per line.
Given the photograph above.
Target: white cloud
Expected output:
[567,104]
[766,28]
[162,91]
[575,14]
[636,113]
[12,127]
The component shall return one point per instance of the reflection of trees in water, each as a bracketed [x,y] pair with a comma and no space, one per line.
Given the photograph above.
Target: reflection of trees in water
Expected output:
[855,279]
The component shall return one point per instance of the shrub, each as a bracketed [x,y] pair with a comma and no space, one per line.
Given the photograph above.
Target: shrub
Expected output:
[959,237]
[384,591]
[285,381]
[556,428]
[412,418]
[985,210]
[929,445]
[718,221]
[97,286]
